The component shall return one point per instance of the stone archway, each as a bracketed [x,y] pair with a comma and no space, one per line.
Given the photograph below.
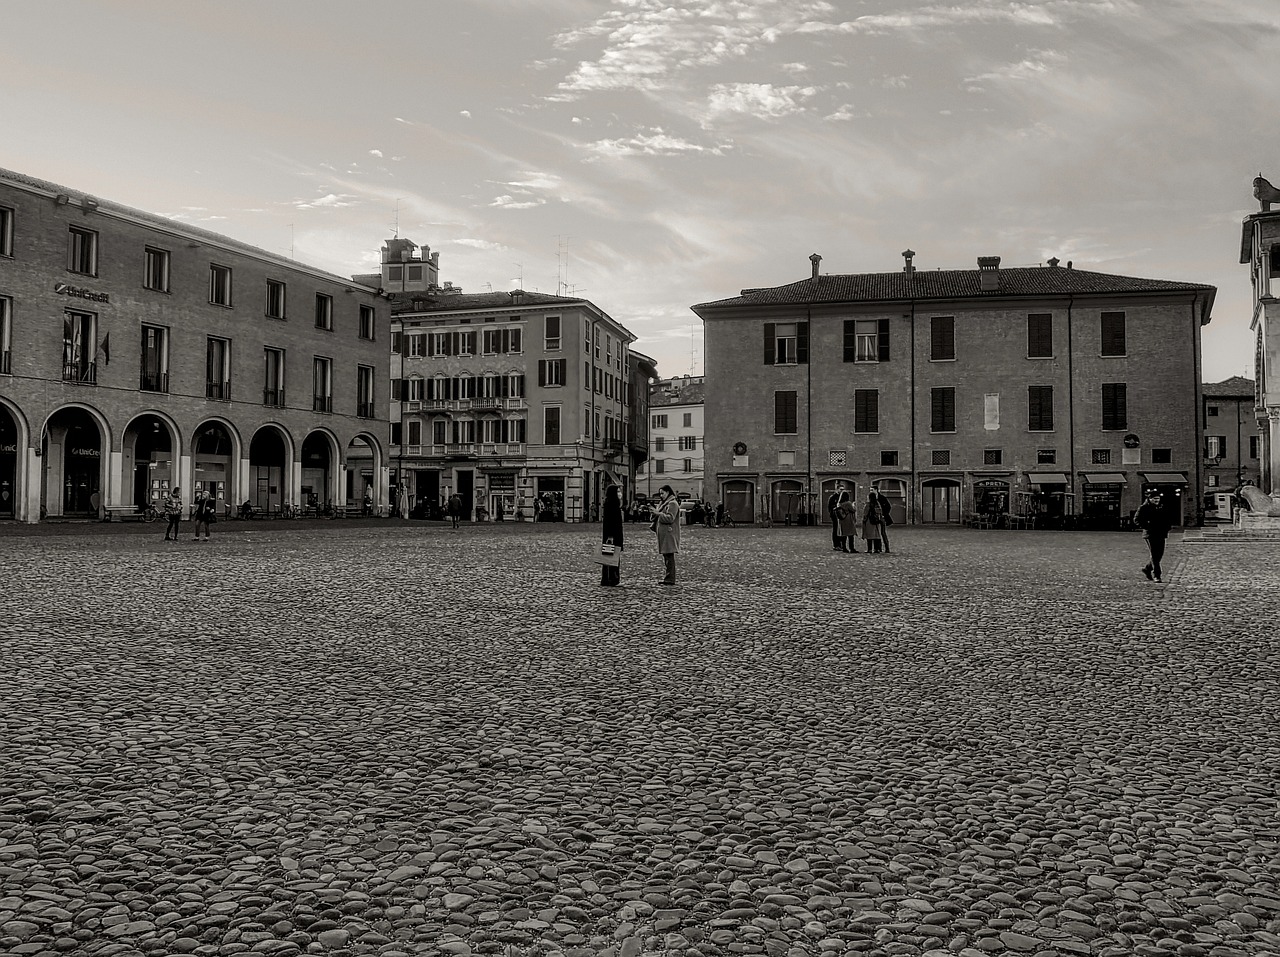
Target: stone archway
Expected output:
[214,459]
[149,466]
[75,448]
[365,493]
[319,470]
[270,454]
[12,444]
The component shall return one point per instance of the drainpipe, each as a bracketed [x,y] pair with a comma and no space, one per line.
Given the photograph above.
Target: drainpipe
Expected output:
[913,500]
[1071,401]
[810,512]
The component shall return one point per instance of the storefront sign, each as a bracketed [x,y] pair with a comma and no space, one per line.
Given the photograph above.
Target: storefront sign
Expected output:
[87,453]
[79,292]
[11,447]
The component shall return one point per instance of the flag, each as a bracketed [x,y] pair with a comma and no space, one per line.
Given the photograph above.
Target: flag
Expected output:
[104,347]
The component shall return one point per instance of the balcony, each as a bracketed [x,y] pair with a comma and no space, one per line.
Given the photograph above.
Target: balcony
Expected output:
[153,382]
[322,403]
[364,410]
[273,398]
[217,390]
[84,372]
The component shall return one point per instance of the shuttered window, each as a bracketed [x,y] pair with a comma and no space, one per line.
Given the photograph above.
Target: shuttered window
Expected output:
[1040,336]
[942,410]
[866,340]
[1115,413]
[866,410]
[1113,334]
[942,338]
[784,413]
[1040,408]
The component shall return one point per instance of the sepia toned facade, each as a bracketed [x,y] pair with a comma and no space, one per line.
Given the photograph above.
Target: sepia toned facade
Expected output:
[139,354]
[1232,442]
[1045,395]
[676,437]
[521,403]
[1260,250]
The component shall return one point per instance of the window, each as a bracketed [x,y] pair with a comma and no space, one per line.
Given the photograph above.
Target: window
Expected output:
[414,389]
[940,457]
[1274,257]
[550,372]
[688,443]
[6,231]
[992,456]
[219,284]
[786,343]
[784,413]
[1113,334]
[217,369]
[80,347]
[395,273]
[439,343]
[942,405]
[942,338]
[1211,410]
[1255,442]
[82,251]
[416,346]
[660,421]
[397,339]
[364,392]
[415,432]
[397,433]
[156,265]
[837,458]
[659,443]
[322,384]
[1046,456]
[1215,446]
[889,458]
[6,336]
[1114,401]
[1162,456]
[551,425]
[1040,408]
[273,377]
[439,432]
[866,410]
[466,343]
[501,341]
[866,340]
[275,299]
[687,420]
[1100,456]
[1040,336]
[324,311]
[659,466]
[154,372]
[688,465]
[551,334]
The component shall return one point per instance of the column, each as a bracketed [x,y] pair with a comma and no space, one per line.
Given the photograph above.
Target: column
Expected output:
[1271,479]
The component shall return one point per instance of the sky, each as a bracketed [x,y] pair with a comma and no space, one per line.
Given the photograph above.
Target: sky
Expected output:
[652,154]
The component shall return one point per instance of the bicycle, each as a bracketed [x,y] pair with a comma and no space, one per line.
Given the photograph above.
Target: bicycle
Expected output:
[149,513]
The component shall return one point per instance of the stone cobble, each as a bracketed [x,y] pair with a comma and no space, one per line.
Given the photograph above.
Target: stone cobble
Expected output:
[394,739]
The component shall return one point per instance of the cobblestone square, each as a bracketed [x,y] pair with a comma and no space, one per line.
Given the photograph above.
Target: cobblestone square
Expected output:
[381,738]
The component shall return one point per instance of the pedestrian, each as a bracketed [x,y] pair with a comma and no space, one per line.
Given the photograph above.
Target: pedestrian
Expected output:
[502,510]
[611,532]
[1155,524]
[871,524]
[847,514]
[832,502]
[173,512]
[719,513]
[455,508]
[368,501]
[205,512]
[666,522]
[886,517]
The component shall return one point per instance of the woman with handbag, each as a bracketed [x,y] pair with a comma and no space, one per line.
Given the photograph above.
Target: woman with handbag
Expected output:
[611,534]
[847,520]
[871,524]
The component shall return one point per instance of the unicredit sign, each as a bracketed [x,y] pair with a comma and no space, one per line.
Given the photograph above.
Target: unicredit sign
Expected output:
[66,289]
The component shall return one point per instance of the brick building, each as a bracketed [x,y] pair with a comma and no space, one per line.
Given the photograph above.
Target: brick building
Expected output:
[522,402]
[1260,249]
[138,354]
[1232,443]
[1045,395]
[676,438]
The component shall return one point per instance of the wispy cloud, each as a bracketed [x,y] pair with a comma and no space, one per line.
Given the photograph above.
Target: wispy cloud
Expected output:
[652,143]
[510,202]
[477,243]
[377,153]
[758,99]
[328,201]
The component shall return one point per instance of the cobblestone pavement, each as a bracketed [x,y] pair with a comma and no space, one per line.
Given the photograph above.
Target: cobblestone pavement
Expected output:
[380,738]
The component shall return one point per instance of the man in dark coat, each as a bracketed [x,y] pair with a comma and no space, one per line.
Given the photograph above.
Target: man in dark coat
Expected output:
[837,541]
[1154,522]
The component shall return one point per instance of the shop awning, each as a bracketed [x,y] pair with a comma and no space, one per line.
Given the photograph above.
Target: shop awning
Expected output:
[1047,478]
[1165,478]
[1105,478]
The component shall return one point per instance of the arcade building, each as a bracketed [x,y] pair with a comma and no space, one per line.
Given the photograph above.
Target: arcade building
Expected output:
[139,354]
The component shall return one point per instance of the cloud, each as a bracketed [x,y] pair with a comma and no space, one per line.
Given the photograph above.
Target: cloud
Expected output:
[1033,68]
[466,113]
[758,99]
[377,153]
[329,201]
[843,113]
[477,243]
[653,143]
[510,202]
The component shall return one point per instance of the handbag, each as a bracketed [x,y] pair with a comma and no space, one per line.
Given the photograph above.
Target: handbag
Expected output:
[609,555]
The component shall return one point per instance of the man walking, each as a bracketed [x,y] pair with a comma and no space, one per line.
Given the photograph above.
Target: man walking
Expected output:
[1154,522]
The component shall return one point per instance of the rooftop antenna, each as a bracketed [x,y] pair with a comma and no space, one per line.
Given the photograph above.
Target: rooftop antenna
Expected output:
[488,286]
[693,353]
[562,265]
[395,226]
[519,275]
[291,240]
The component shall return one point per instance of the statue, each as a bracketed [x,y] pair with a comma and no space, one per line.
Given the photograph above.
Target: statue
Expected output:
[1258,501]
[1265,193]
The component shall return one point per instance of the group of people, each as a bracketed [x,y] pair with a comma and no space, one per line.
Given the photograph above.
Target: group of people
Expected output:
[204,511]
[664,522]
[848,523]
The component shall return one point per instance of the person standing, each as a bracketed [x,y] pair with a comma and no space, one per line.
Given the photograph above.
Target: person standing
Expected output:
[455,508]
[173,512]
[1154,522]
[205,511]
[871,524]
[832,503]
[847,515]
[666,522]
[611,532]
[886,517]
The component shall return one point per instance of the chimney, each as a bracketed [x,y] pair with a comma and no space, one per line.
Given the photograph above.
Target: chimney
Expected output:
[989,273]
[909,268]
[815,259]
[1053,262]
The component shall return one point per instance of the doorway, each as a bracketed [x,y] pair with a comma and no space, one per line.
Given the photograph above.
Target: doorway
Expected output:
[940,501]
